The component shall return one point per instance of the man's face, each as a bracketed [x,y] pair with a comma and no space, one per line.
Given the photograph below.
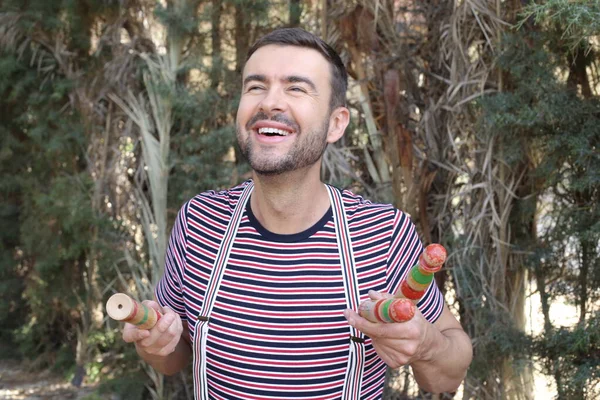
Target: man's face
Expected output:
[283,118]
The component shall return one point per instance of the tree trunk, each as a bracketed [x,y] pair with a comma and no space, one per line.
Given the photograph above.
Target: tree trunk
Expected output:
[242,37]
[295,12]
[360,40]
[217,65]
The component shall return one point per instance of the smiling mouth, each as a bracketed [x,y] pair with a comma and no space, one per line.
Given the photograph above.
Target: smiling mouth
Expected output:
[272,132]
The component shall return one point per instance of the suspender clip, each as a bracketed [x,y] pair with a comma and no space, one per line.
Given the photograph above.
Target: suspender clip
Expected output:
[357,339]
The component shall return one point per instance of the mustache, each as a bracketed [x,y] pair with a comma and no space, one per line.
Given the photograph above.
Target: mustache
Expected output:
[261,116]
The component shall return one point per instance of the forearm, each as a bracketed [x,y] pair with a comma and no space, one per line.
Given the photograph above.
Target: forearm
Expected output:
[443,367]
[170,364]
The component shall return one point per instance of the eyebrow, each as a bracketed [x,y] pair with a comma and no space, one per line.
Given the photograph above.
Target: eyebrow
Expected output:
[288,79]
[255,77]
[301,79]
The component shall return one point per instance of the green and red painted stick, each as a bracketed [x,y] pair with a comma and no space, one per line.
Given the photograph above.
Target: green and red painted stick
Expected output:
[123,308]
[402,306]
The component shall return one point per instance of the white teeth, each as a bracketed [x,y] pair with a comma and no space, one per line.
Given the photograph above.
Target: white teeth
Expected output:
[273,130]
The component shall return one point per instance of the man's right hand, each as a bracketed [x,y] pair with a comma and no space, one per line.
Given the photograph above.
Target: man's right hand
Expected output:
[162,339]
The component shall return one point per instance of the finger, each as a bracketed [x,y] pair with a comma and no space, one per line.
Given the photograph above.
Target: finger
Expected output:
[167,328]
[156,337]
[375,295]
[148,341]
[365,326]
[176,328]
[168,319]
[170,347]
[375,329]
[132,334]
[170,337]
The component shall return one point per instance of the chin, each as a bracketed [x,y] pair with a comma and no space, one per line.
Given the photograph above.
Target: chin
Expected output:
[268,173]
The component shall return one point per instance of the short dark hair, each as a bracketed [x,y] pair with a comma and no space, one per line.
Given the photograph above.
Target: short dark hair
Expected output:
[301,38]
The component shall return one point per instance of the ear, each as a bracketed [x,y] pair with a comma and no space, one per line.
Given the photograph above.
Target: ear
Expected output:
[338,121]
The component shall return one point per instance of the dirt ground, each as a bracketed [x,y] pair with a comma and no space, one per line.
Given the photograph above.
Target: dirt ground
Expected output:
[17,383]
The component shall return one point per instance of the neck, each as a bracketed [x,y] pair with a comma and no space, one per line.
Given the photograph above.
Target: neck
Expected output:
[289,203]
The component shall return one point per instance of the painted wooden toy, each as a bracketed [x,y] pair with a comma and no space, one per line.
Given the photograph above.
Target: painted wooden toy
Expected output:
[402,307]
[123,308]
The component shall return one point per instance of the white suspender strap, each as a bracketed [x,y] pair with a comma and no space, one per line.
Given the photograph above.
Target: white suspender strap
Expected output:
[356,359]
[200,383]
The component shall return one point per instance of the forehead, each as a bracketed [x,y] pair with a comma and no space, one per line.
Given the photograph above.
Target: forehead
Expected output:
[277,62]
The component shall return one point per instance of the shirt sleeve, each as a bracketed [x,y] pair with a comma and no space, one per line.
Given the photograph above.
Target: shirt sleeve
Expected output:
[405,249]
[169,290]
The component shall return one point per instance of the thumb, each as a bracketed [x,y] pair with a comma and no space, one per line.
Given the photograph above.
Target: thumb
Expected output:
[374,295]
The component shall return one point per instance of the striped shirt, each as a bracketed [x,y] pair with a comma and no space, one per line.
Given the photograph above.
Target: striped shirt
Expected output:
[277,328]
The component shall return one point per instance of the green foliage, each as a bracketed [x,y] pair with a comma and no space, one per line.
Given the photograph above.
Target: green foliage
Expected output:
[51,205]
[128,386]
[544,120]
[200,144]
[181,20]
[12,308]
[65,361]
[501,341]
[576,21]
[27,141]
[45,200]
[498,337]
[57,223]
[573,354]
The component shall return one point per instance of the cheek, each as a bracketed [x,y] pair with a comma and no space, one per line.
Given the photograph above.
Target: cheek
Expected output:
[309,115]
[245,108]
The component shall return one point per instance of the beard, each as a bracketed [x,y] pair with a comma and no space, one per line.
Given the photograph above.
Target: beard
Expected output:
[308,148]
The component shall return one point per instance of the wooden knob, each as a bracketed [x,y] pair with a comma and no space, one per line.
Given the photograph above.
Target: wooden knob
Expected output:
[387,310]
[121,307]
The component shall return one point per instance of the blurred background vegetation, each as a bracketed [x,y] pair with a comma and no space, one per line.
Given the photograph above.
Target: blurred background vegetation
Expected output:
[480,118]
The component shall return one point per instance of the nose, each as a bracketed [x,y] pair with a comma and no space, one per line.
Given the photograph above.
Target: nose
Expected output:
[273,101]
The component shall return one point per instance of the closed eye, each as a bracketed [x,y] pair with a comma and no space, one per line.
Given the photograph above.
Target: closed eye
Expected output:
[297,89]
[254,88]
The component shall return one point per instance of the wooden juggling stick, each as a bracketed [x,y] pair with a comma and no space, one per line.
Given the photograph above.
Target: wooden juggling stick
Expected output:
[121,307]
[402,306]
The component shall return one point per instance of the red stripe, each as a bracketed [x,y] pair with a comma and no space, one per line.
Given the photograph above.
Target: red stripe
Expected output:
[134,312]
[376,310]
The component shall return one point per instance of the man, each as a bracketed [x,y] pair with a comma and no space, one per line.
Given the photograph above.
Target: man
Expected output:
[262,281]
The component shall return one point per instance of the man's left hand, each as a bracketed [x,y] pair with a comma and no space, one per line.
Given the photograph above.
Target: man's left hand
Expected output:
[397,344]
